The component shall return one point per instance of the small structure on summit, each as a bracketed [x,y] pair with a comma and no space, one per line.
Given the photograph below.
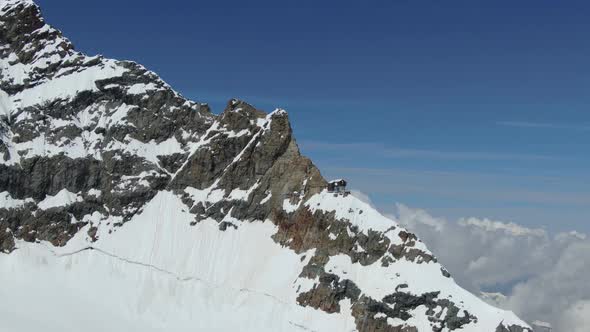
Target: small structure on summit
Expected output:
[337,187]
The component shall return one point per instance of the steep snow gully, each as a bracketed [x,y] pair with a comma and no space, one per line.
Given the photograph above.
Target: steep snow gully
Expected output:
[126,207]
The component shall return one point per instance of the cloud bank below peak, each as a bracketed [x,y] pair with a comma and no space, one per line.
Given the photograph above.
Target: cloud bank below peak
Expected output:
[540,276]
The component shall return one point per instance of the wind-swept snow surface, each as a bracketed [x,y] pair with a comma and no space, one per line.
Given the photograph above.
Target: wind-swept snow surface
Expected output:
[159,273]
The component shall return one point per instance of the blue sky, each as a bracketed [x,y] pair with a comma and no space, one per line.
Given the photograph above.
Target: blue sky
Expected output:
[463,108]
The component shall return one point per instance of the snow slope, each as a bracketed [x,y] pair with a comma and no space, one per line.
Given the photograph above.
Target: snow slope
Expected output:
[158,273]
[161,274]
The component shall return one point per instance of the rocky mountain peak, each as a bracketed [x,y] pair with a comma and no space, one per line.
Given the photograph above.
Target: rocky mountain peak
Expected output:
[28,41]
[103,161]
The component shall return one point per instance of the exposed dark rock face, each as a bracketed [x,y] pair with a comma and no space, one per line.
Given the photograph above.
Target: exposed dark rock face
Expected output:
[511,328]
[329,292]
[88,139]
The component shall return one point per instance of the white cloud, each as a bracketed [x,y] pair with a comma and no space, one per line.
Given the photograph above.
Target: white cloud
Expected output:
[542,276]
[510,228]
[418,217]
[577,317]
[362,196]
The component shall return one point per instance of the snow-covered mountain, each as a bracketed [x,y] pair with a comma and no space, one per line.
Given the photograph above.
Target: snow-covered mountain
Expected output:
[126,207]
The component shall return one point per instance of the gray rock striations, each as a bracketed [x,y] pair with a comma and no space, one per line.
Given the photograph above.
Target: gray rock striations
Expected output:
[86,139]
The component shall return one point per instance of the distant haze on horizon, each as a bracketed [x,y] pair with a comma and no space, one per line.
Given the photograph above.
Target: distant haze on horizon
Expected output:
[462,109]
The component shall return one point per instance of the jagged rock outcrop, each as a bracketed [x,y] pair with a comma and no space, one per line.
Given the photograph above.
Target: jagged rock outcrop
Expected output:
[102,154]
